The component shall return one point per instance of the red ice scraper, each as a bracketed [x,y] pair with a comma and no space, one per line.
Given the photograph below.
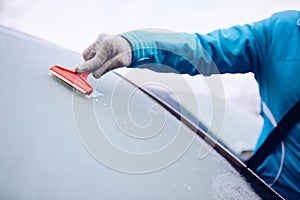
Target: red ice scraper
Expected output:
[73,79]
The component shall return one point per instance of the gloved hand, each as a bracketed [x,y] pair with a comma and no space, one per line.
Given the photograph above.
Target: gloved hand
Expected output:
[108,52]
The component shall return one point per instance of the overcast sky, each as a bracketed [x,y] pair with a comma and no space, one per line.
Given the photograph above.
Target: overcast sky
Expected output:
[75,24]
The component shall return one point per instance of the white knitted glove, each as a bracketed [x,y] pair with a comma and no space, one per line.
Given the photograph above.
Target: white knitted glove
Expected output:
[108,52]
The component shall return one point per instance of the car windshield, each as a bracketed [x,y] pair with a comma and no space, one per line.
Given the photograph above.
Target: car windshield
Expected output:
[117,143]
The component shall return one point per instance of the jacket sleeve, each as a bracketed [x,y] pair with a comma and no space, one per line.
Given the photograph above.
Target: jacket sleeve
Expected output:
[238,49]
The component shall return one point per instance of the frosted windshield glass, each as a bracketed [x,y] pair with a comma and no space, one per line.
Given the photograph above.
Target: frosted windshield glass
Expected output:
[55,144]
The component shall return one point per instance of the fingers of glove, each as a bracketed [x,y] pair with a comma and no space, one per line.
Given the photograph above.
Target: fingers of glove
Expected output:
[90,65]
[90,51]
[108,66]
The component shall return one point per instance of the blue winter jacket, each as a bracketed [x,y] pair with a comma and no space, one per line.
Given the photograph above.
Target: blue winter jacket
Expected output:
[270,49]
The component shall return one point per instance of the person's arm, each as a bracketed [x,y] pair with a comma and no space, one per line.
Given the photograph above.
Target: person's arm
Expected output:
[238,49]
[235,50]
